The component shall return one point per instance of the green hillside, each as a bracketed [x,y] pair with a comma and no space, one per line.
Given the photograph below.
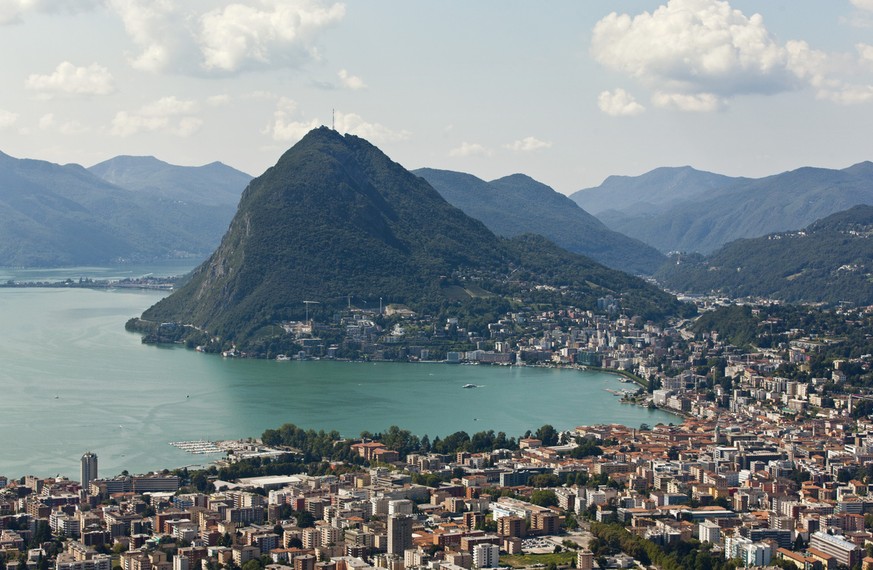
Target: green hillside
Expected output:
[829,261]
[517,204]
[336,220]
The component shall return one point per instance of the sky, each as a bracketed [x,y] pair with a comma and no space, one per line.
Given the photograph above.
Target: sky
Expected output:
[566,91]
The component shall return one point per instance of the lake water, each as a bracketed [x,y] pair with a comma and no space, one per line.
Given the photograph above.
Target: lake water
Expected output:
[73,380]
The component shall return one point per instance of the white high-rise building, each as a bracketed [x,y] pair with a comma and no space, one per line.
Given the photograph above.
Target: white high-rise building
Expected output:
[709,531]
[486,556]
[89,469]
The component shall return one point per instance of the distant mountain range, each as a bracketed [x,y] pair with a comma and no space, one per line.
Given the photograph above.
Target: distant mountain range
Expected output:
[517,204]
[335,221]
[55,215]
[212,184]
[682,209]
[829,261]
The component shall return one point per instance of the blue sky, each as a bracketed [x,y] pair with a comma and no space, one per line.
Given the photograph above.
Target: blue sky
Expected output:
[568,92]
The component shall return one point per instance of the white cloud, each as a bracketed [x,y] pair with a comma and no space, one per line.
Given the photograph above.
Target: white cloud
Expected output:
[13,11]
[619,103]
[157,27]
[230,38]
[283,128]
[272,33]
[848,94]
[47,122]
[73,128]
[167,115]
[169,106]
[695,55]
[218,100]
[807,64]
[267,96]
[694,46]
[69,79]
[528,144]
[376,133]
[861,18]
[350,81]
[865,52]
[824,72]
[291,131]
[7,118]
[470,149]
[697,102]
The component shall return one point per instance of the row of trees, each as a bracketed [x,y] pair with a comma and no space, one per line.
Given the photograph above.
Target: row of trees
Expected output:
[315,445]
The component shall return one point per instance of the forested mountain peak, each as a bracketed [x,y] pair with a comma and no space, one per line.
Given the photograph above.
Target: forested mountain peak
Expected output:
[337,222]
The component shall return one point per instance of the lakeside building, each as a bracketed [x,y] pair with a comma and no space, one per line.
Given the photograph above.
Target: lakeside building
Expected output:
[89,469]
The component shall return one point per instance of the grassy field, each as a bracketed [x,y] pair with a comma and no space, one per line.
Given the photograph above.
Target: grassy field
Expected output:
[522,560]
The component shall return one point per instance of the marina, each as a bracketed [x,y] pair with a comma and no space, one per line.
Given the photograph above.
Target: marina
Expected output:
[197,447]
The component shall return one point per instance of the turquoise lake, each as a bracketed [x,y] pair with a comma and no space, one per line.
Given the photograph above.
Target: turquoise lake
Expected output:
[73,380]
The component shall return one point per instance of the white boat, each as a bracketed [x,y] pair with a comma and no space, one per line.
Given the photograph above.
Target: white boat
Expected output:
[469,386]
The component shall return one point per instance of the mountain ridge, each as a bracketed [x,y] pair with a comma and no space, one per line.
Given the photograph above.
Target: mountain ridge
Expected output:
[734,208]
[64,215]
[662,186]
[214,183]
[517,204]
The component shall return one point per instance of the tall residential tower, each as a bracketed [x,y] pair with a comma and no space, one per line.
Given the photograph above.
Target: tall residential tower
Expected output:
[89,469]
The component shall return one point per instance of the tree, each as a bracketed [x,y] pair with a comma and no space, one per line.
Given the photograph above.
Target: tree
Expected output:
[799,544]
[547,434]
[42,533]
[545,480]
[544,498]
[304,519]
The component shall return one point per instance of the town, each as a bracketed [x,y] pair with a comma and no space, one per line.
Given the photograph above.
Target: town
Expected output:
[769,464]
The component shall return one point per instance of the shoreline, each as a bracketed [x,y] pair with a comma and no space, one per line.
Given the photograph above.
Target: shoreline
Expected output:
[642,383]
[153,284]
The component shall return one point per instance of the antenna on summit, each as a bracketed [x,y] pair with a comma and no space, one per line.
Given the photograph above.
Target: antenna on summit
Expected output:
[333,119]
